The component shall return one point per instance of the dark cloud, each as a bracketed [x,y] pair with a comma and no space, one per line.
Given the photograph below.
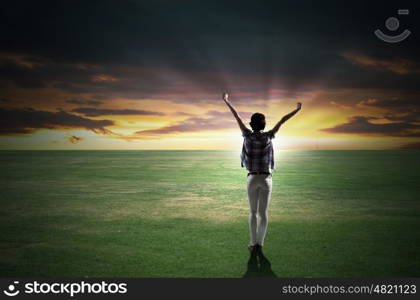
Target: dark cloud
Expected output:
[95,112]
[99,97]
[410,146]
[94,102]
[396,65]
[363,125]
[178,48]
[410,117]
[24,121]
[74,139]
[84,102]
[405,110]
[42,76]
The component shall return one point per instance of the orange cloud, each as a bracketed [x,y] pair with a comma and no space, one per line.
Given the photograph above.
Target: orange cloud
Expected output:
[25,61]
[104,78]
[399,65]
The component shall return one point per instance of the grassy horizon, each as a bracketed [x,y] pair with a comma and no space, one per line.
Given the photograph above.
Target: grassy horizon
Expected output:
[184,213]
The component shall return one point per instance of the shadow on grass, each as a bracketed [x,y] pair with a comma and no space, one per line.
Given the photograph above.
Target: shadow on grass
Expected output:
[259,266]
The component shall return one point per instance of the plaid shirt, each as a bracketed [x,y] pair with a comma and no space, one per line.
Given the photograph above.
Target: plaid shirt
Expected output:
[257,151]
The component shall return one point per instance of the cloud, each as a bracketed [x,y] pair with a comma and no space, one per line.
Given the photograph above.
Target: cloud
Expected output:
[398,65]
[332,102]
[362,125]
[84,101]
[22,60]
[104,78]
[182,114]
[74,139]
[396,110]
[95,112]
[154,52]
[216,120]
[227,114]
[411,116]
[391,103]
[191,124]
[410,146]
[26,121]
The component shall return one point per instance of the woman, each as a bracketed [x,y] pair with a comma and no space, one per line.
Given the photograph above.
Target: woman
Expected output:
[258,158]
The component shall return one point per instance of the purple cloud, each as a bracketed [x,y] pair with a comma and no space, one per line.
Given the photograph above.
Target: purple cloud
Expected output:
[362,125]
[27,120]
[95,112]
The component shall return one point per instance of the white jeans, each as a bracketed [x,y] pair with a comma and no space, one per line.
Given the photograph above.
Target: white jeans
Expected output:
[259,194]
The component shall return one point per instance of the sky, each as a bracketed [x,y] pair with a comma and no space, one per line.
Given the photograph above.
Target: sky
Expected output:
[150,74]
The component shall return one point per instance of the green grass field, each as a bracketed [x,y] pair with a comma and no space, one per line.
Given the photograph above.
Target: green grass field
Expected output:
[185,214]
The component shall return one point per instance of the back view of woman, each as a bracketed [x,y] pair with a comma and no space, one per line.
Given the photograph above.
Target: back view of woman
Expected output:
[257,157]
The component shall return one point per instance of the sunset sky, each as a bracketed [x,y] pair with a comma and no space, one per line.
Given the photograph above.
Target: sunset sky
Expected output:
[150,74]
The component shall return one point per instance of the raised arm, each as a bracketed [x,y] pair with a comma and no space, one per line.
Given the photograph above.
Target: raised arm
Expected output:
[234,112]
[285,118]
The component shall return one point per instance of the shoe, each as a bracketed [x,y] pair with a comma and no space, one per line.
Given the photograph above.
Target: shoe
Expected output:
[253,249]
[257,249]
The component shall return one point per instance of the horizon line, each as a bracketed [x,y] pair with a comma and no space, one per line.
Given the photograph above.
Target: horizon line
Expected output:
[384,149]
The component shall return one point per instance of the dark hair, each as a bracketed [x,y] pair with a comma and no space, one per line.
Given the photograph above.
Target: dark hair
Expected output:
[257,122]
